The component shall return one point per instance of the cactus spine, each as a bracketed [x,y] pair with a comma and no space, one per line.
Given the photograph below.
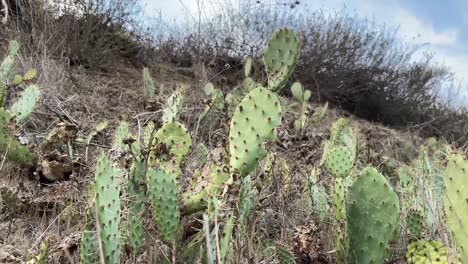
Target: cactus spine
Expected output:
[107,202]
[373,214]
[456,202]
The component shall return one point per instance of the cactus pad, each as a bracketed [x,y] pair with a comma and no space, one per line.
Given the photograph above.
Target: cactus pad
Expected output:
[17,80]
[136,205]
[148,84]
[30,74]
[415,223]
[248,67]
[280,57]
[253,123]
[9,145]
[340,162]
[172,108]
[339,199]
[456,202]
[208,182]
[23,108]
[107,189]
[89,247]
[373,214]
[176,139]
[162,192]
[426,252]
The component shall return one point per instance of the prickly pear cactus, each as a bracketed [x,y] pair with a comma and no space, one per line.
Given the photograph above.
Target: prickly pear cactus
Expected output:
[14,150]
[456,202]
[30,75]
[42,256]
[340,161]
[89,247]
[17,80]
[318,195]
[339,199]
[248,199]
[426,252]
[415,223]
[107,190]
[162,192]
[172,108]
[121,133]
[136,206]
[176,139]
[23,108]
[225,245]
[148,84]
[203,185]
[248,67]
[280,57]
[252,125]
[373,214]
[285,256]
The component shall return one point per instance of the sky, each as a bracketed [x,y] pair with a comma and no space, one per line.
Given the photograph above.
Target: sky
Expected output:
[442,26]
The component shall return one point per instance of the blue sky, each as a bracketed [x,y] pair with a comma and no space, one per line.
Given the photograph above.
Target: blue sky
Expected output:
[441,25]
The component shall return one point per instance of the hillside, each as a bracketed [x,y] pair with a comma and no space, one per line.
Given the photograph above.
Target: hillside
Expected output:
[167,167]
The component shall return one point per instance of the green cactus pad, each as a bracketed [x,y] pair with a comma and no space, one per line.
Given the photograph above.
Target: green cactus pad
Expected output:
[340,161]
[456,202]
[30,74]
[13,47]
[415,223]
[23,108]
[248,67]
[373,214]
[107,189]
[14,150]
[162,193]
[297,91]
[208,182]
[148,84]
[121,133]
[17,80]
[136,205]
[426,252]
[176,139]
[248,199]
[172,108]
[280,57]
[252,125]
[89,247]
[149,136]
[226,240]
[339,200]
[318,196]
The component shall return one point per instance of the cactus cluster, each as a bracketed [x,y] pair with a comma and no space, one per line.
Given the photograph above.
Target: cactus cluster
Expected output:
[302,96]
[19,112]
[365,209]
